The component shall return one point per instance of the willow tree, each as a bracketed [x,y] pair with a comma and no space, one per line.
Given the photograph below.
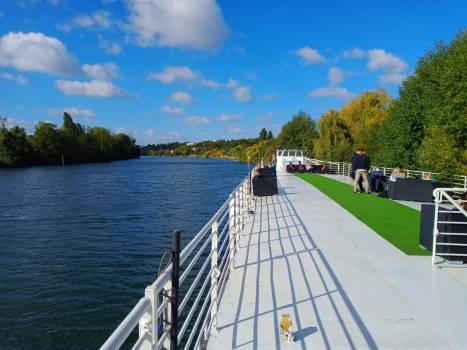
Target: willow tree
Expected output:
[334,141]
[364,116]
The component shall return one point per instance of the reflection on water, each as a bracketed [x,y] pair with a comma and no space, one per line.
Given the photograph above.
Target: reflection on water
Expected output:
[78,244]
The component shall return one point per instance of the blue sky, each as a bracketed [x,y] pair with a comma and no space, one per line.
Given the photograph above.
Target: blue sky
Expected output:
[188,70]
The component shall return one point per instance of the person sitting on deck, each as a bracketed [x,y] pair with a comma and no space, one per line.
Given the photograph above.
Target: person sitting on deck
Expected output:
[429,177]
[377,180]
[360,166]
[397,172]
[301,167]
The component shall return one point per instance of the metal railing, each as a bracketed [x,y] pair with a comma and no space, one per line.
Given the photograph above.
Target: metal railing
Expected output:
[449,215]
[205,264]
[342,168]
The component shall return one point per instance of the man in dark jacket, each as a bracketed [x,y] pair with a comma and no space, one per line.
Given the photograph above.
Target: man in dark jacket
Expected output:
[360,167]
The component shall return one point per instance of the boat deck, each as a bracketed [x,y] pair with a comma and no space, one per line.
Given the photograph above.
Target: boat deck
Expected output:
[343,285]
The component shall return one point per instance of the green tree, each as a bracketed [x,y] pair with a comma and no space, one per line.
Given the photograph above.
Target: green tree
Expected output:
[435,96]
[298,133]
[15,149]
[438,153]
[47,142]
[263,134]
[270,135]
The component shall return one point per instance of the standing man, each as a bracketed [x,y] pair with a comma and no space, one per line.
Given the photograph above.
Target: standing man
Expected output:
[360,167]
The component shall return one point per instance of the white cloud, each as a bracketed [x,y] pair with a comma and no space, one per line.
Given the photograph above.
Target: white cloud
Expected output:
[354,53]
[181,97]
[309,55]
[392,79]
[332,91]
[177,23]
[170,75]
[268,117]
[197,120]
[172,110]
[17,78]
[93,88]
[35,52]
[109,47]
[269,97]
[228,117]
[381,60]
[96,20]
[236,130]
[335,75]
[149,135]
[242,94]
[75,112]
[105,71]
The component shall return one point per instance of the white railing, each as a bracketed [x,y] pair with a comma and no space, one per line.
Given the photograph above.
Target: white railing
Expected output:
[205,264]
[448,206]
[342,168]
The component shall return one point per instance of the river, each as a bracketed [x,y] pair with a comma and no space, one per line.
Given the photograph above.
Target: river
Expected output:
[78,244]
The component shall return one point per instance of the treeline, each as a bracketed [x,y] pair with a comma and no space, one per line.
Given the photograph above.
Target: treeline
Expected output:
[71,143]
[425,128]
[241,149]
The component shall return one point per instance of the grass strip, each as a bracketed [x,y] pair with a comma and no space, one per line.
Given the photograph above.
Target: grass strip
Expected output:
[395,222]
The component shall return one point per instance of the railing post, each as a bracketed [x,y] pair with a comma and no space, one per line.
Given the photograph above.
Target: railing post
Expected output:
[175,286]
[231,230]
[214,276]
[435,226]
[237,218]
[148,325]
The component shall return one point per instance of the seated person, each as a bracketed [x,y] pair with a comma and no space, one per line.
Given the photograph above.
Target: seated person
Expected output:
[301,167]
[463,201]
[397,172]
[377,179]
[324,169]
[429,177]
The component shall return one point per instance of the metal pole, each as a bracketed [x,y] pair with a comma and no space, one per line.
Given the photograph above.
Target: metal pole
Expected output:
[175,286]
[438,199]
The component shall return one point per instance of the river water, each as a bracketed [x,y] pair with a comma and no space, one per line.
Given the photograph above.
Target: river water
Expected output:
[78,244]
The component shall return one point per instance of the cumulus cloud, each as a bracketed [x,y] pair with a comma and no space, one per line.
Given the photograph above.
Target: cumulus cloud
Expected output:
[309,55]
[228,117]
[170,75]
[269,97]
[105,71]
[177,23]
[93,88]
[75,112]
[392,79]
[197,120]
[268,117]
[109,47]
[96,20]
[172,110]
[335,76]
[381,60]
[236,130]
[181,97]
[332,91]
[354,53]
[35,52]
[242,94]
[17,78]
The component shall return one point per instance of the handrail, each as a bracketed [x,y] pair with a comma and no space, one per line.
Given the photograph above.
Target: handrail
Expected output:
[222,231]
[344,168]
[445,195]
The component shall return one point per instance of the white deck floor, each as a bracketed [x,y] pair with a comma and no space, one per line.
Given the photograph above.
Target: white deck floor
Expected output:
[343,285]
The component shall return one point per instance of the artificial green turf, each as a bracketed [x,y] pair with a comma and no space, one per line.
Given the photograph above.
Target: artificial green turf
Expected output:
[395,222]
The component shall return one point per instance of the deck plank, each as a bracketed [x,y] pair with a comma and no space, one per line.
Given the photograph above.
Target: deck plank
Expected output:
[343,285]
